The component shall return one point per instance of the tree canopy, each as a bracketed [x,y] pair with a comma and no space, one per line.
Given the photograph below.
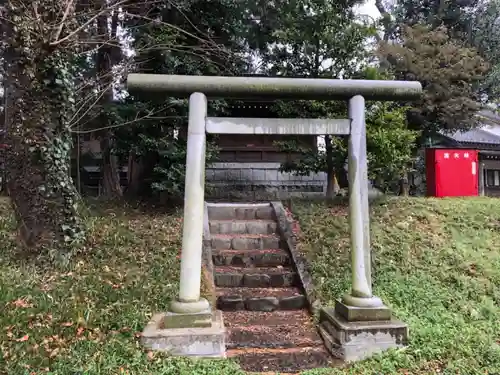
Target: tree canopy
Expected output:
[450,75]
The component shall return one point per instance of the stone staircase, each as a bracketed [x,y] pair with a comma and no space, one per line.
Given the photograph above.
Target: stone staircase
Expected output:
[269,328]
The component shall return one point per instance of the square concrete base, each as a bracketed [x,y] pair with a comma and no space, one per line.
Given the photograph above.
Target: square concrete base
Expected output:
[354,341]
[197,320]
[362,314]
[191,342]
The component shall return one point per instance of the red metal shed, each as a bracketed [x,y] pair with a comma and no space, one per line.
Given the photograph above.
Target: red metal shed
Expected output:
[451,172]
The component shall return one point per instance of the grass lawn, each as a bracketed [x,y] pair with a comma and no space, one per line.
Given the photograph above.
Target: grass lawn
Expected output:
[436,264]
[87,319]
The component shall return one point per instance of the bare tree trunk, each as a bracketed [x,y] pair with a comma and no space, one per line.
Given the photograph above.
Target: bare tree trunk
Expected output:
[404,186]
[330,169]
[386,20]
[330,185]
[341,176]
[78,164]
[111,187]
[389,28]
[110,169]
[106,55]
[135,176]
[441,7]
[336,186]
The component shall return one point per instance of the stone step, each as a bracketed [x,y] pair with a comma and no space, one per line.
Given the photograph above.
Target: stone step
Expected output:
[260,299]
[240,212]
[249,258]
[264,277]
[243,226]
[245,241]
[292,360]
[289,335]
[275,318]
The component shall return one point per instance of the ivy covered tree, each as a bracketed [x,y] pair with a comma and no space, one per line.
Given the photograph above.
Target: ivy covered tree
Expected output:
[40,55]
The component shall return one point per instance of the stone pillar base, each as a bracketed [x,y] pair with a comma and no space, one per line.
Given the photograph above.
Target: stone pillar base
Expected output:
[190,335]
[353,340]
[362,314]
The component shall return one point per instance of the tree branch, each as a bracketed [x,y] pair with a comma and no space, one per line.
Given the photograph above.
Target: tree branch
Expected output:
[386,19]
[174,27]
[137,119]
[69,7]
[89,21]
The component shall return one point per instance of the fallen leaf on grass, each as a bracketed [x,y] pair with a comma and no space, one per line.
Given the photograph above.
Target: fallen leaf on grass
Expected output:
[21,303]
[114,286]
[24,338]
[46,287]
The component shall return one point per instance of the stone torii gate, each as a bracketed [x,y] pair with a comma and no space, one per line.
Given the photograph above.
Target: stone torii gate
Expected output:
[190,327]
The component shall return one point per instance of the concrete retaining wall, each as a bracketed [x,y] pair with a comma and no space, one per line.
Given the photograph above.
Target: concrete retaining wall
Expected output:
[260,181]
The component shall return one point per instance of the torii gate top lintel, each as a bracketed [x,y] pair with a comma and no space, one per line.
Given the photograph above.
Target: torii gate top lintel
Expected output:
[273,87]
